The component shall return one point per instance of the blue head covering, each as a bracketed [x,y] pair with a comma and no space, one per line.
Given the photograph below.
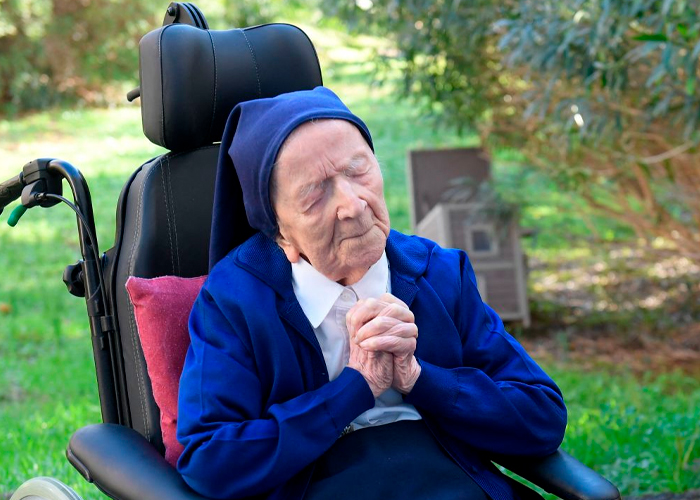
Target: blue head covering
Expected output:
[254,134]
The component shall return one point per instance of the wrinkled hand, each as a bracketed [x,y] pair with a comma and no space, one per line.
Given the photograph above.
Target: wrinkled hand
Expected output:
[376,367]
[387,326]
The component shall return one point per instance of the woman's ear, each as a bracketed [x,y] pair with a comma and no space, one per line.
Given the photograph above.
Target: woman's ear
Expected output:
[288,248]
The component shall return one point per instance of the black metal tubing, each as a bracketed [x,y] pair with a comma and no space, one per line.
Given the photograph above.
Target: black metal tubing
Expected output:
[104,346]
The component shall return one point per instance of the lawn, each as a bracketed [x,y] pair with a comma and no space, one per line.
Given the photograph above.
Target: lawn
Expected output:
[639,431]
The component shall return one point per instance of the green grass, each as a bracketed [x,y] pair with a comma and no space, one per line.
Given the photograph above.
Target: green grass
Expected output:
[640,433]
[47,381]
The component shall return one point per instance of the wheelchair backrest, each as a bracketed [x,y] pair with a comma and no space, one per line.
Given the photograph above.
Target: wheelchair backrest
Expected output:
[191,79]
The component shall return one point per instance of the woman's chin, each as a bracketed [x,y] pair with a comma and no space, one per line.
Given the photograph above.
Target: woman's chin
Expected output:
[367,252]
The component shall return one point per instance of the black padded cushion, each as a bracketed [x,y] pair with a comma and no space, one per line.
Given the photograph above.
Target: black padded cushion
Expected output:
[124,465]
[163,229]
[192,78]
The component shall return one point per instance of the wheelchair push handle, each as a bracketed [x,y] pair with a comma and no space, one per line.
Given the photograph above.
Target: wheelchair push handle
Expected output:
[38,185]
[41,185]
[10,190]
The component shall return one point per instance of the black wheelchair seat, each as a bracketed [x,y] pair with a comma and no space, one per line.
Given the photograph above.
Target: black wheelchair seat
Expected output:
[165,210]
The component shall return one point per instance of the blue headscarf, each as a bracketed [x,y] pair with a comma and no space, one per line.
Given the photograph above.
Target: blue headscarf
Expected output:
[254,134]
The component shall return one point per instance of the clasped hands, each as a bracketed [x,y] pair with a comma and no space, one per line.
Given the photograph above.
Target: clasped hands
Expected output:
[383,337]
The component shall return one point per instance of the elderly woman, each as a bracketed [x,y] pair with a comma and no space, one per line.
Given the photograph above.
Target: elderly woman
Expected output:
[333,357]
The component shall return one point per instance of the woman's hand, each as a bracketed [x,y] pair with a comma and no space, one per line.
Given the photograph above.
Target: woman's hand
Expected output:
[387,326]
[376,367]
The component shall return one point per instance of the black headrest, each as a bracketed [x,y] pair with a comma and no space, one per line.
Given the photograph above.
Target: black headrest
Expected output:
[192,78]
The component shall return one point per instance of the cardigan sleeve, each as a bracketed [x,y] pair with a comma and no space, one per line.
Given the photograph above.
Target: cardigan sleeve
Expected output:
[499,401]
[234,447]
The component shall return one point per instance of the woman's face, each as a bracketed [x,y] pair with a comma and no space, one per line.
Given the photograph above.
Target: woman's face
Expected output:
[328,194]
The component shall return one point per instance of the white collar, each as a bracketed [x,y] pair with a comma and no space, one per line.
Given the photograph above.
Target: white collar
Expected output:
[317,294]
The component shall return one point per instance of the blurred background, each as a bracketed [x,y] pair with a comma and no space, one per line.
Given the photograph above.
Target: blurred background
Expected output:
[588,111]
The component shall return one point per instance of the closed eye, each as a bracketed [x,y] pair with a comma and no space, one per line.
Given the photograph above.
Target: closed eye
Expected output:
[313,195]
[358,165]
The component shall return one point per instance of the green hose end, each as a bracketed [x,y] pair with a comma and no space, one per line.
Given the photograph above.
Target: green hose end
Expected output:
[16,215]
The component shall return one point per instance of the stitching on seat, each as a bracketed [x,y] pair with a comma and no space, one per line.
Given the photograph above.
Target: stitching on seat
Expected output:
[167,215]
[168,157]
[132,318]
[162,101]
[172,209]
[216,83]
[255,63]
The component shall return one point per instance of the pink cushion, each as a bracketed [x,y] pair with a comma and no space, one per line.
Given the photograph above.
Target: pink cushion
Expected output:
[162,308]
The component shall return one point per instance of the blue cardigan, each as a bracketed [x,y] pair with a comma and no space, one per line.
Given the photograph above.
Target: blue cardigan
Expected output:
[256,408]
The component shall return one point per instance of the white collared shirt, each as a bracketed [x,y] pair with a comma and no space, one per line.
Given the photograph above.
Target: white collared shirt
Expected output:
[325,303]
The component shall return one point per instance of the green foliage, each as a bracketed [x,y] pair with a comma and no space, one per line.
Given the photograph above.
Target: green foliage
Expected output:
[441,58]
[599,96]
[615,49]
[464,56]
[86,51]
[223,14]
[54,51]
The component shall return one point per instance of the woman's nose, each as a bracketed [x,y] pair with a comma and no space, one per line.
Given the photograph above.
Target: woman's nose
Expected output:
[349,204]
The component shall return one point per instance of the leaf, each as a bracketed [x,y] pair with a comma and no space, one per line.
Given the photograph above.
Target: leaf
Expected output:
[666,7]
[651,37]
[661,108]
[666,58]
[690,86]
[501,24]
[508,38]
[658,73]
[641,51]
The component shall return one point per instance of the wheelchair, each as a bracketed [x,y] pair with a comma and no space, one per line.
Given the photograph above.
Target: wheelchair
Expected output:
[163,226]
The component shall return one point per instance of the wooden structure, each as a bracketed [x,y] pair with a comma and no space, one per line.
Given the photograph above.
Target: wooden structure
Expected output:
[474,225]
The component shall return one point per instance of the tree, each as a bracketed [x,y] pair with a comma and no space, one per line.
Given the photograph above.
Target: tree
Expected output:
[54,51]
[599,95]
[67,51]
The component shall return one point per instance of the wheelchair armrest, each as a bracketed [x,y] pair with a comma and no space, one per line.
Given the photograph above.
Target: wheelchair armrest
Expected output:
[562,475]
[124,465]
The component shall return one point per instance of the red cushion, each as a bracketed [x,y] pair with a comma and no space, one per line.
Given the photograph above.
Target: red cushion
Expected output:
[162,308]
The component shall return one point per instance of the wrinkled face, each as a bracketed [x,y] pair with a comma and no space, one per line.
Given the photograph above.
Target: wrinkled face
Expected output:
[328,195]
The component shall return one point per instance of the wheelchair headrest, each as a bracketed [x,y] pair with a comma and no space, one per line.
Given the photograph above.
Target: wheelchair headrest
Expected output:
[192,78]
